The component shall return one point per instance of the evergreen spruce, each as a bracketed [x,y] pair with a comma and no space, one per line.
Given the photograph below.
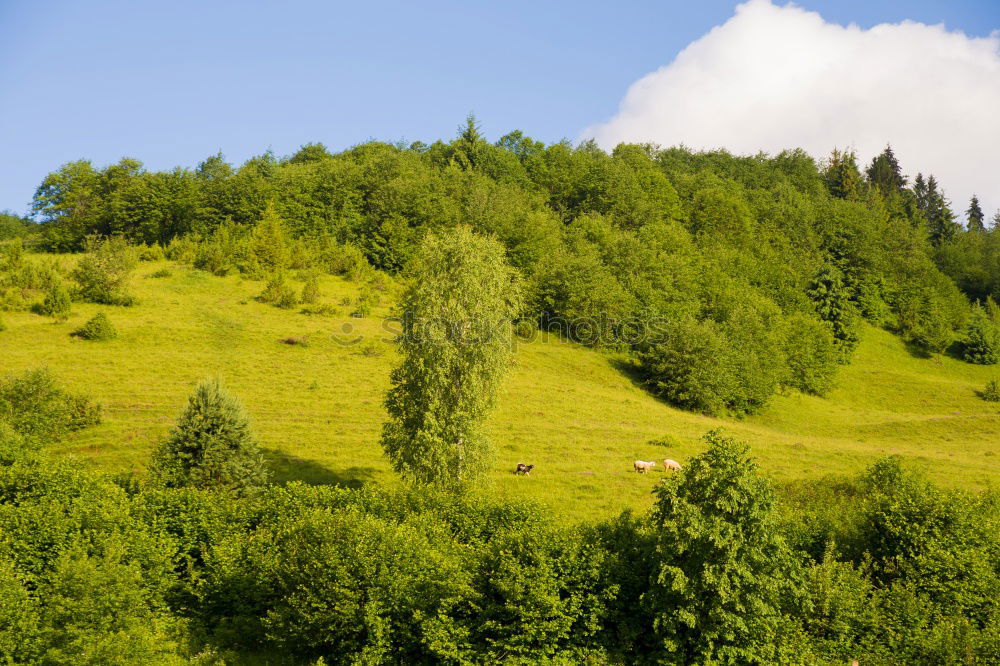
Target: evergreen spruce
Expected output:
[982,338]
[98,328]
[211,446]
[833,305]
[884,173]
[268,242]
[842,176]
[975,216]
[941,225]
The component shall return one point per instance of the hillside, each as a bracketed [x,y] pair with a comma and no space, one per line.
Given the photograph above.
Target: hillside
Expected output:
[573,412]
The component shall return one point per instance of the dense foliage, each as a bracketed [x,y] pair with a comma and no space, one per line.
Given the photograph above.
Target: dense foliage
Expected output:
[212,446]
[455,340]
[637,249]
[724,569]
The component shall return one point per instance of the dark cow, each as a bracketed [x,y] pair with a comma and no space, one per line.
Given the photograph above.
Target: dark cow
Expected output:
[523,470]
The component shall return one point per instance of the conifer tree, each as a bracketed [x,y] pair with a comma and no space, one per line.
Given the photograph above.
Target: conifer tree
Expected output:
[211,446]
[469,144]
[975,216]
[832,301]
[268,242]
[941,225]
[884,173]
[456,346]
[842,176]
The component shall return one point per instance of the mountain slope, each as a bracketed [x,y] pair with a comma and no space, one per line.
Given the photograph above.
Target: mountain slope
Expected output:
[575,413]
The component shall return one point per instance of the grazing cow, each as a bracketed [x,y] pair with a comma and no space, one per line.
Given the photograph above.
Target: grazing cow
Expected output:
[671,464]
[641,466]
[523,470]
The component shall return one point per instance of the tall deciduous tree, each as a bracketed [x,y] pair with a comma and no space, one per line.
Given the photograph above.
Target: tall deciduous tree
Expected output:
[457,347]
[211,446]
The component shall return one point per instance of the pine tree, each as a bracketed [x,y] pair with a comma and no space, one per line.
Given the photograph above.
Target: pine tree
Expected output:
[975,216]
[842,176]
[268,242]
[469,144]
[456,346]
[884,173]
[920,192]
[833,305]
[211,446]
[941,225]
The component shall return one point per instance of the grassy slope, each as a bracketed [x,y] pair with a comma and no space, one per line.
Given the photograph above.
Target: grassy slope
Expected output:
[570,411]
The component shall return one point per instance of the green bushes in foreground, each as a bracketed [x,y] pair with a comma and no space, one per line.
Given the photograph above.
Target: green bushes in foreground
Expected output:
[92,574]
[724,569]
[34,406]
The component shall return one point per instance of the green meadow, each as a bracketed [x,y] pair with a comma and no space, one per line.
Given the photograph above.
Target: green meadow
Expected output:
[579,415]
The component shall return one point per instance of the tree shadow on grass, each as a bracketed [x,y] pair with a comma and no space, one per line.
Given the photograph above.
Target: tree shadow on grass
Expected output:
[917,350]
[285,468]
[631,370]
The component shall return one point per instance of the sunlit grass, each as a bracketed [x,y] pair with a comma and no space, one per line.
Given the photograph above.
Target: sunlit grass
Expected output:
[570,411]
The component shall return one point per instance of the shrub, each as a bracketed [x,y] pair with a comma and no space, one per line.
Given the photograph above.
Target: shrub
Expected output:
[715,368]
[279,293]
[310,292]
[151,253]
[3,326]
[811,355]
[105,273]
[57,303]
[182,249]
[162,273]
[364,303]
[347,260]
[992,391]
[324,309]
[982,339]
[211,446]
[98,329]
[220,253]
[35,407]
[372,349]
[344,586]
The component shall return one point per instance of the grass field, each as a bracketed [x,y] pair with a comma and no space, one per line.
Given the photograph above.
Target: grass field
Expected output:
[573,412]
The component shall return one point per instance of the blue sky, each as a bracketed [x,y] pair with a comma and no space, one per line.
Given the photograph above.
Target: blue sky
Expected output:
[172,82]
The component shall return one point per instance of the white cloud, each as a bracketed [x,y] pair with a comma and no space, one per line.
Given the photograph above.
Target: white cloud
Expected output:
[776,77]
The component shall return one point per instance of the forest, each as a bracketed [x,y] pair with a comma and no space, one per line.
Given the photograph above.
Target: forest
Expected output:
[723,280]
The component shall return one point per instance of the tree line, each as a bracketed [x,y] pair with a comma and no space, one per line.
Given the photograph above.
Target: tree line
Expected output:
[761,267]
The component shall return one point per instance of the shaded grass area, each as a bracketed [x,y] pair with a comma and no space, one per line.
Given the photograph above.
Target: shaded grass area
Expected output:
[579,415]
